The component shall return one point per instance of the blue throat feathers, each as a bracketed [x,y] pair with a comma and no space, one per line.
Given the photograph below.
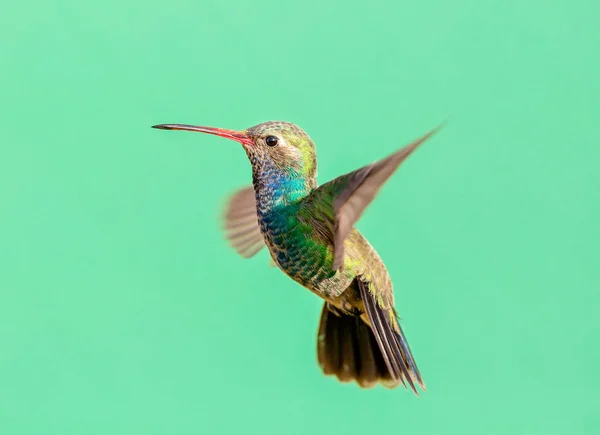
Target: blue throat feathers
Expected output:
[275,189]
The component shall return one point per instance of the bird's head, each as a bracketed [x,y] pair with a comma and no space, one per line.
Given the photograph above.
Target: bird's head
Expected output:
[277,145]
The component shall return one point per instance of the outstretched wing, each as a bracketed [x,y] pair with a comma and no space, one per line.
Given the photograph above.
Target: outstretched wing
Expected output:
[344,199]
[241,223]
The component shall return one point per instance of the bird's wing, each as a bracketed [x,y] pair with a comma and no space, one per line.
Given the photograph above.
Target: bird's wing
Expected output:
[344,199]
[241,223]
[389,336]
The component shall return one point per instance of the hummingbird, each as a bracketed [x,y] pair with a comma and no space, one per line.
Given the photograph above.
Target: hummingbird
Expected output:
[309,231]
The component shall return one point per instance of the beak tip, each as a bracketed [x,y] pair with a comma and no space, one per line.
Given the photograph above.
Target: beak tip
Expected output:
[160,127]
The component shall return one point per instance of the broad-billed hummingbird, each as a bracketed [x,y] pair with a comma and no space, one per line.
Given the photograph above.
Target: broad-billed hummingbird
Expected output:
[309,232]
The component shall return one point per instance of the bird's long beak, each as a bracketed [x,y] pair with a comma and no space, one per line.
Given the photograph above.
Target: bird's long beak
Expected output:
[238,136]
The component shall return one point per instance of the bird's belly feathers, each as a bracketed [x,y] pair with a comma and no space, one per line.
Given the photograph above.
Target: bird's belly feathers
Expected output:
[303,254]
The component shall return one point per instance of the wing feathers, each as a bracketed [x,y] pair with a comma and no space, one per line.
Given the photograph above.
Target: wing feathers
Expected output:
[353,192]
[393,346]
[241,223]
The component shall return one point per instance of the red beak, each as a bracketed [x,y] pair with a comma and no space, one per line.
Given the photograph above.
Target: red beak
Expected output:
[238,136]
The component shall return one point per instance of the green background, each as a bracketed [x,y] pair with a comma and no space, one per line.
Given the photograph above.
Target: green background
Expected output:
[123,311]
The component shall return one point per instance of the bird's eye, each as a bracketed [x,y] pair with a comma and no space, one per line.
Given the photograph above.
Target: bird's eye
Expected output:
[271,141]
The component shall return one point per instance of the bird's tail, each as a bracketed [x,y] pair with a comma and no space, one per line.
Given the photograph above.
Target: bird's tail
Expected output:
[347,348]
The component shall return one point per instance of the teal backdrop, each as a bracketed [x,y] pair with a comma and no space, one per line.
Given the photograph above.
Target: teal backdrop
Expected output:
[123,310]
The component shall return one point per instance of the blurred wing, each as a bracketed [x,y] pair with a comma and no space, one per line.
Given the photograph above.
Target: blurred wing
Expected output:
[347,196]
[241,223]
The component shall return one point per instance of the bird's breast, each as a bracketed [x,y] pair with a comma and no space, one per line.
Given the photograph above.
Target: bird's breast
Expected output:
[296,248]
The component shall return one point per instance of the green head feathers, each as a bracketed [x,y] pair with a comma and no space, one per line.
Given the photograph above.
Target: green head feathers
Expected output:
[278,145]
[285,146]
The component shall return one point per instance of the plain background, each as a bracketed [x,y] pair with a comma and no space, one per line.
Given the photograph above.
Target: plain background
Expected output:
[123,311]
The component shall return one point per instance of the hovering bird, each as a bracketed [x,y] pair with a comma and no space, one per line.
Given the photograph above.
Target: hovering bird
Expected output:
[309,232]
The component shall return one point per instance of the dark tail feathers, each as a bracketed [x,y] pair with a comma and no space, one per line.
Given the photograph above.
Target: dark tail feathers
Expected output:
[346,348]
